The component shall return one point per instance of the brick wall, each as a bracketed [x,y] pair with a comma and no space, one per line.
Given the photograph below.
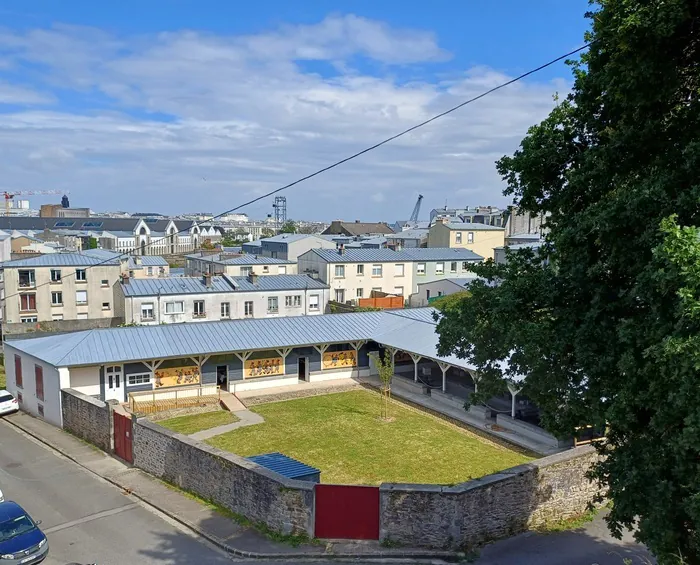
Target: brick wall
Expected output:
[224,478]
[87,418]
[499,505]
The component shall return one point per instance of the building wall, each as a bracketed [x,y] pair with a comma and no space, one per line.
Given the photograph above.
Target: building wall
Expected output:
[156,271]
[293,249]
[198,266]
[442,287]
[500,505]
[86,380]
[54,380]
[484,240]
[97,294]
[224,478]
[432,273]
[212,306]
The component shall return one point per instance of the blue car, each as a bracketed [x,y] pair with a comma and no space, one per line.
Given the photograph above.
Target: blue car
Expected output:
[21,540]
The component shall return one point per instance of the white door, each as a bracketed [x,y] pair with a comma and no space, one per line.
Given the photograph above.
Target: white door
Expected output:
[114,383]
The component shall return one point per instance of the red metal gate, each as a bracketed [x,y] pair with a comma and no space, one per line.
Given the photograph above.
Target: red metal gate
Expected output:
[123,437]
[347,512]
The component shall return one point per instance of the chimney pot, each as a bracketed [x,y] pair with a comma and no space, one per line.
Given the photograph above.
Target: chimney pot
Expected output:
[207,280]
[252,277]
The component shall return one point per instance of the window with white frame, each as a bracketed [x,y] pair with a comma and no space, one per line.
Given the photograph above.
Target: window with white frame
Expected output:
[376,270]
[199,311]
[439,268]
[81,297]
[225,309]
[360,270]
[248,309]
[174,307]
[292,301]
[104,283]
[26,279]
[398,269]
[340,271]
[106,306]
[360,292]
[55,275]
[149,271]
[453,267]
[56,298]
[81,275]
[272,304]
[266,269]
[340,295]
[138,379]
[282,270]
[420,269]
[57,317]
[458,237]
[147,311]
[313,302]
[28,320]
[470,237]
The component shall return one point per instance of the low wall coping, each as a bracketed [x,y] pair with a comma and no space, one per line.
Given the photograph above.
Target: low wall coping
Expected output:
[85,398]
[231,457]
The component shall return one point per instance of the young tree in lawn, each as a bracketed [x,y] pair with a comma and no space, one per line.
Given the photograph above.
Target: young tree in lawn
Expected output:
[604,318]
[385,368]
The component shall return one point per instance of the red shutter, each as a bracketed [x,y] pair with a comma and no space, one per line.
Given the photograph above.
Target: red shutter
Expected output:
[18,371]
[32,301]
[39,376]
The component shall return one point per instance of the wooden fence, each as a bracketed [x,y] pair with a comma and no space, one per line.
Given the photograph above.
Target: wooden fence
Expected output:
[386,302]
[148,402]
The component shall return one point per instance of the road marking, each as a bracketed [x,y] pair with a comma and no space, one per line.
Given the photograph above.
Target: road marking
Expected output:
[89,518]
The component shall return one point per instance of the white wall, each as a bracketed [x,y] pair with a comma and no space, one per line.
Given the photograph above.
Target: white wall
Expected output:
[52,386]
[86,380]
[253,384]
[442,287]
[348,373]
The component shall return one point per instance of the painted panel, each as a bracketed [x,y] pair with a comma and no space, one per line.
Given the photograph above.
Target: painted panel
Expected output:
[177,376]
[339,359]
[267,367]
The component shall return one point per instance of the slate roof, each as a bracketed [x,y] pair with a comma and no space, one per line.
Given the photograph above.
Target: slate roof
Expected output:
[408,330]
[108,224]
[286,237]
[147,261]
[246,259]
[357,228]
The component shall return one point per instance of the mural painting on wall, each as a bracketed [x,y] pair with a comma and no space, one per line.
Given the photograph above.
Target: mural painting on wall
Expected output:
[339,359]
[177,376]
[264,367]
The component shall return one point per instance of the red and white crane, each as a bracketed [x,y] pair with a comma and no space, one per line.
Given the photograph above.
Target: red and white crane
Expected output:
[9,196]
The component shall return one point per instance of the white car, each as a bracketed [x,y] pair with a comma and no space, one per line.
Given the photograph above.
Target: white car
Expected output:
[8,403]
[2,498]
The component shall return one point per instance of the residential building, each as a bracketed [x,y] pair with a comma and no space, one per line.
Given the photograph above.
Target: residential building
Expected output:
[238,355]
[58,211]
[408,239]
[5,247]
[253,247]
[428,292]
[357,228]
[60,286]
[355,273]
[438,263]
[207,298]
[479,238]
[237,265]
[147,267]
[290,245]
[489,215]
[500,252]
[520,223]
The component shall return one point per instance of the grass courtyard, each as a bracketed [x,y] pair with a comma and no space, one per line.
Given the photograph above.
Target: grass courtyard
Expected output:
[342,435]
[193,423]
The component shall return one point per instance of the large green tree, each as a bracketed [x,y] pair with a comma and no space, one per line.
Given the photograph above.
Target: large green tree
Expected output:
[604,319]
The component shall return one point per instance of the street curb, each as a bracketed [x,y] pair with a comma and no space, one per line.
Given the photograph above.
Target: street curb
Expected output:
[414,556]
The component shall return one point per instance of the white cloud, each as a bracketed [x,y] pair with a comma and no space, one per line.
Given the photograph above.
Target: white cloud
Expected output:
[18,95]
[245,114]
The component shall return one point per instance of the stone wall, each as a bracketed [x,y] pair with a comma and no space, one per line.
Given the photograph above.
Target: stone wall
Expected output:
[547,490]
[17,330]
[225,479]
[87,418]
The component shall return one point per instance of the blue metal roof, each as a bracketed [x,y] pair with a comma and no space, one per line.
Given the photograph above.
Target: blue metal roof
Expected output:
[286,237]
[246,259]
[353,255]
[85,259]
[283,465]
[147,261]
[195,285]
[441,254]
[473,226]
[410,234]
[409,330]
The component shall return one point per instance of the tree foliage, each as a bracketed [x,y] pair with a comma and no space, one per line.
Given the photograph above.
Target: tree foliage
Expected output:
[289,227]
[266,232]
[604,319]
[233,239]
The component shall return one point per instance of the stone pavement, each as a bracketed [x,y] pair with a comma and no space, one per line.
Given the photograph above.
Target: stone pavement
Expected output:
[245,418]
[222,531]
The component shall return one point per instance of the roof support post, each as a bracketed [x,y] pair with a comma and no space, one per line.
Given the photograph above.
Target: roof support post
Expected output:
[244,356]
[283,352]
[444,367]
[322,348]
[514,390]
[356,345]
[153,365]
[416,359]
[475,377]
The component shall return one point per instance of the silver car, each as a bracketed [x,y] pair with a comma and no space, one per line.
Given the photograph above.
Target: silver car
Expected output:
[8,403]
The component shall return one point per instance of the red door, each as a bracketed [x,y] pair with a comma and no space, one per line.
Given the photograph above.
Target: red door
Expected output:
[123,437]
[347,512]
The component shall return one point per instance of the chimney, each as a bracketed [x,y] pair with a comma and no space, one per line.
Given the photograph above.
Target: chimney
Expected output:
[357,221]
[137,260]
[207,280]
[341,249]
[252,277]
[125,278]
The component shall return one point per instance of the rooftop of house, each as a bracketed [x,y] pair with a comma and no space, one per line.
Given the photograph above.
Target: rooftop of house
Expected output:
[355,255]
[245,259]
[99,223]
[288,237]
[218,284]
[441,254]
[417,233]
[146,261]
[357,228]
[463,226]
[412,331]
[88,258]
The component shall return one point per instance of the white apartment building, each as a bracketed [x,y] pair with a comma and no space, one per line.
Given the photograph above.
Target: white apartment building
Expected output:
[291,245]
[148,266]
[355,273]
[207,298]
[438,263]
[237,265]
[60,286]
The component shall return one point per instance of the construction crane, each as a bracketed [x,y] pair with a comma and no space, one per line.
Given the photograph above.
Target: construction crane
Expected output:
[416,210]
[9,196]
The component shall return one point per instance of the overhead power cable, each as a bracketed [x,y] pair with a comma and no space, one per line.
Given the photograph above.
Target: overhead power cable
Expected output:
[354,155]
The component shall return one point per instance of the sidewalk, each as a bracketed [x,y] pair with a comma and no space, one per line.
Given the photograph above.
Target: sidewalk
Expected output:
[218,529]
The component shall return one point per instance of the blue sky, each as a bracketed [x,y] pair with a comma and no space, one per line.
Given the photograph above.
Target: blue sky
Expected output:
[176,106]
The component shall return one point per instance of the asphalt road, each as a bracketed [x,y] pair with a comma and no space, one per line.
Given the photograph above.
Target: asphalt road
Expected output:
[86,519]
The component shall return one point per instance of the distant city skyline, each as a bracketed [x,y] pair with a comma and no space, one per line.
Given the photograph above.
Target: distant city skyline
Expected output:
[168,106]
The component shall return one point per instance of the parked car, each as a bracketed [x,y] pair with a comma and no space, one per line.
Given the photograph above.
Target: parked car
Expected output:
[8,403]
[2,498]
[21,540]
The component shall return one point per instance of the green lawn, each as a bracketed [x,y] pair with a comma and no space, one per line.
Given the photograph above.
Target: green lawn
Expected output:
[197,422]
[3,384]
[342,435]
